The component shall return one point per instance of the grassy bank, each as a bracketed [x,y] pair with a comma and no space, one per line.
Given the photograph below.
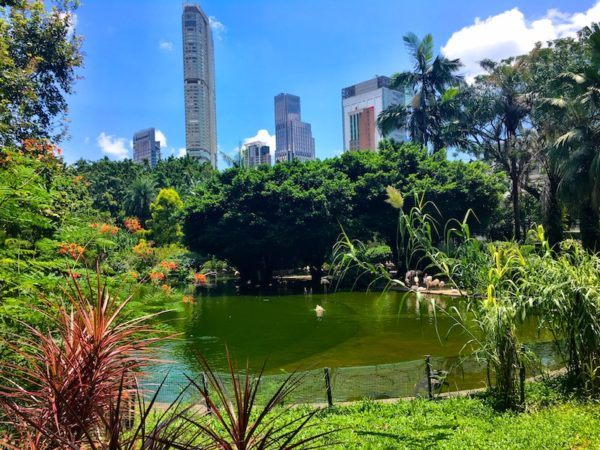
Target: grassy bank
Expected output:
[461,424]
[551,421]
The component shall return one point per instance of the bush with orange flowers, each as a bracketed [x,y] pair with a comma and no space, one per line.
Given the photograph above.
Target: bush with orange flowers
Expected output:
[166,289]
[200,278]
[105,228]
[143,249]
[132,224]
[157,277]
[188,299]
[73,250]
[168,265]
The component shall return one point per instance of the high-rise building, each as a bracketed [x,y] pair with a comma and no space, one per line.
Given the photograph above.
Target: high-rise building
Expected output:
[199,85]
[293,138]
[361,104]
[146,149]
[257,153]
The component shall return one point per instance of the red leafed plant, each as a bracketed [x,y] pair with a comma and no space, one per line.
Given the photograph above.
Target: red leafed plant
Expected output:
[70,377]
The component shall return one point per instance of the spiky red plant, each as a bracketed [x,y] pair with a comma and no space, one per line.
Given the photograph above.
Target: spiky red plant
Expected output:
[70,377]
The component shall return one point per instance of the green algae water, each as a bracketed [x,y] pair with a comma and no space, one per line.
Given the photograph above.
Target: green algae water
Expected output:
[369,335]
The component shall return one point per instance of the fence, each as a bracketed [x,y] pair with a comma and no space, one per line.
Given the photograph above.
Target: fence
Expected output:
[335,385]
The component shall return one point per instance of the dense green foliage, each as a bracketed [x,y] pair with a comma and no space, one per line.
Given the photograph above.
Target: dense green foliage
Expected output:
[124,188]
[38,56]
[272,218]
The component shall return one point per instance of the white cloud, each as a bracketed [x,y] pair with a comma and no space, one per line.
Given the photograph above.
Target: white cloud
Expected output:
[262,136]
[160,137]
[217,27]
[112,145]
[181,152]
[510,33]
[165,45]
[86,141]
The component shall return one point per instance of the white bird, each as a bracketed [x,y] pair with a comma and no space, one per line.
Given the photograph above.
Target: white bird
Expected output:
[319,310]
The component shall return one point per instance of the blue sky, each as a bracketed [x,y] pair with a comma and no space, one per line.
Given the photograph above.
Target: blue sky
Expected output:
[133,72]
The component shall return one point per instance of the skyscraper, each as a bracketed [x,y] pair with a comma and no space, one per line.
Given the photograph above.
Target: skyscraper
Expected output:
[293,138]
[146,149]
[257,153]
[199,85]
[361,104]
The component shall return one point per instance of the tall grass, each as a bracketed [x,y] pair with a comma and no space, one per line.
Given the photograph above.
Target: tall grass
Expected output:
[487,275]
[567,289]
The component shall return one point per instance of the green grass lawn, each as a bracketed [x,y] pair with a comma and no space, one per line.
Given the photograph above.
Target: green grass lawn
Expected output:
[550,422]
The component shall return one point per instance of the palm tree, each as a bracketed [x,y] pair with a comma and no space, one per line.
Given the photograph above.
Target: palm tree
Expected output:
[433,82]
[493,121]
[577,151]
[138,198]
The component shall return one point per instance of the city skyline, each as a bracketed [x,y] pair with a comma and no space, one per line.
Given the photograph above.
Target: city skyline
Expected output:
[314,62]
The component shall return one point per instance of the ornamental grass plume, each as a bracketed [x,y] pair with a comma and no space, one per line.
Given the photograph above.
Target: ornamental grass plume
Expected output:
[70,378]
[394,197]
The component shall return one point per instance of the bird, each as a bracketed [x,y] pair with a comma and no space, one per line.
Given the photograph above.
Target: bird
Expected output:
[319,310]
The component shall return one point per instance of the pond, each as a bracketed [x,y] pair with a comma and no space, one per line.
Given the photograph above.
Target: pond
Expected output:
[355,330]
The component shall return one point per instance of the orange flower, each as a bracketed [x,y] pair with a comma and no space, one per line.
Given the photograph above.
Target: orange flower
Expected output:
[157,276]
[132,224]
[108,229]
[188,299]
[73,250]
[166,289]
[168,265]
[143,249]
[200,278]
[133,274]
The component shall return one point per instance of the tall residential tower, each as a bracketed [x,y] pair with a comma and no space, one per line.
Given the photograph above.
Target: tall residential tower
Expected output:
[199,85]
[361,104]
[293,138]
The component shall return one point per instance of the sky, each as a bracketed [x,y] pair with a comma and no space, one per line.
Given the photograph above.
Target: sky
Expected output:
[133,74]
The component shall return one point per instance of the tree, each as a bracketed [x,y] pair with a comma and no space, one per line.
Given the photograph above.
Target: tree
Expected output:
[542,67]
[39,53]
[139,197]
[577,150]
[182,174]
[494,118]
[270,218]
[290,215]
[433,82]
[165,211]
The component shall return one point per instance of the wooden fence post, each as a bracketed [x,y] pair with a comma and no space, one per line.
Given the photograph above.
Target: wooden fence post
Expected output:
[205,389]
[428,375]
[328,386]
[522,377]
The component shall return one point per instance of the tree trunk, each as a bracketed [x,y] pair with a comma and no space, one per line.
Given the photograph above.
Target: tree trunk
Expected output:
[553,223]
[589,227]
[516,205]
